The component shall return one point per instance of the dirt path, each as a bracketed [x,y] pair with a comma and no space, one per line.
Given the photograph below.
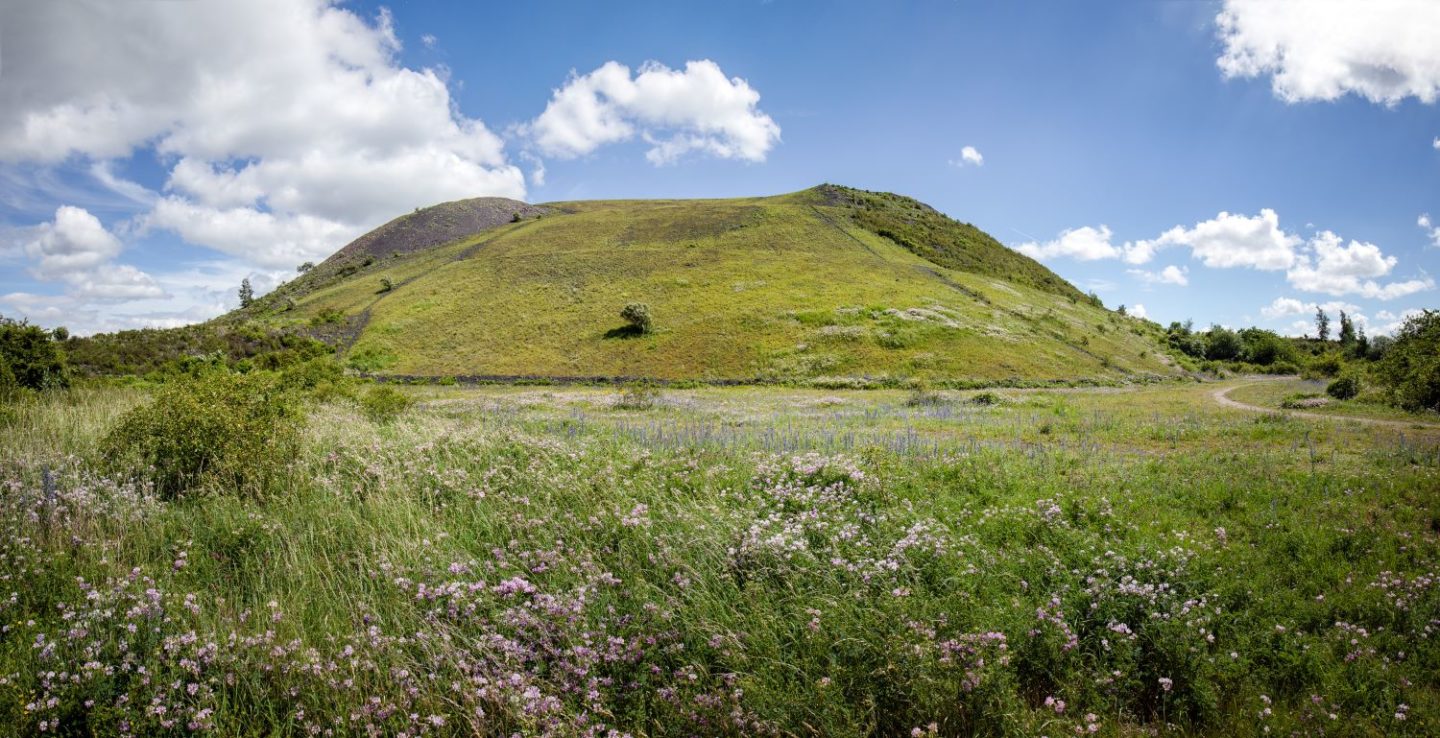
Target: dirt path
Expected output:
[1221,396]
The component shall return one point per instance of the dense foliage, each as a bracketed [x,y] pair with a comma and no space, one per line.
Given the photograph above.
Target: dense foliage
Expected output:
[141,352]
[30,358]
[1410,368]
[221,429]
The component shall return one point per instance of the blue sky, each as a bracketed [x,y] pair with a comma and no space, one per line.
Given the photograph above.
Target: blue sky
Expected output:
[138,187]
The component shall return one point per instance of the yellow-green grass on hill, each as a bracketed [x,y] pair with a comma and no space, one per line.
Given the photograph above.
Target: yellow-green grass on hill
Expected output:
[795,287]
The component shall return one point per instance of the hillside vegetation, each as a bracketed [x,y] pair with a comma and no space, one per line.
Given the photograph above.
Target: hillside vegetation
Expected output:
[830,284]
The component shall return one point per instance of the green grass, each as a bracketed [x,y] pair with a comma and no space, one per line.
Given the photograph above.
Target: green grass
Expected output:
[791,288]
[1270,394]
[702,574]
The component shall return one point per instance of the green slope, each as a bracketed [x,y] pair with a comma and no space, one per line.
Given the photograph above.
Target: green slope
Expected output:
[828,282]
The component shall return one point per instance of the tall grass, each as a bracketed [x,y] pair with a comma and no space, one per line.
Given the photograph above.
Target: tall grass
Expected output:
[455,572]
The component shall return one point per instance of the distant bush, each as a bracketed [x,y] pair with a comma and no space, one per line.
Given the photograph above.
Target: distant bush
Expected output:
[32,356]
[987,399]
[1222,344]
[1410,370]
[637,396]
[328,316]
[233,432]
[923,396]
[386,285]
[320,379]
[1326,365]
[637,314]
[1344,388]
[383,404]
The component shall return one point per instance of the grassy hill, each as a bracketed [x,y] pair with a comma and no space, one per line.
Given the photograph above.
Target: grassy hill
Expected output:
[826,283]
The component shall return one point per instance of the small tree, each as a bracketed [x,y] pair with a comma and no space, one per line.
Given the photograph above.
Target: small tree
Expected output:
[247,293]
[1410,368]
[1347,331]
[1222,344]
[1122,310]
[307,266]
[1322,324]
[386,285]
[32,356]
[637,314]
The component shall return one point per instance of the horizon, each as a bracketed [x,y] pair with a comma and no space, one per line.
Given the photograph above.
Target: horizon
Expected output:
[1222,162]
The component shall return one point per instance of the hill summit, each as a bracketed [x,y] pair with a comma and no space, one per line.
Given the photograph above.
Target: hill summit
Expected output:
[820,286]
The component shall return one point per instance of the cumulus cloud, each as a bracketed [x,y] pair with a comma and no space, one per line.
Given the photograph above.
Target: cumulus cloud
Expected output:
[1139,311]
[76,249]
[1169,275]
[1381,50]
[1335,268]
[1226,241]
[697,109]
[292,118]
[969,157]
[1282,307]
[1084,243]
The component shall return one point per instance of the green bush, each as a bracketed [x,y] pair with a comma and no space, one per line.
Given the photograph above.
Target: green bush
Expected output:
[1410,369]
[383,404]
[1344,388]
[637,314]
[231,432]
[638,396]
[1222,344]
[32,355]
[1325,365]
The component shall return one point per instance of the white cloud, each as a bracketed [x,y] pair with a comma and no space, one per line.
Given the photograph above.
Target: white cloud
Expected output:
[1382,50]
[1436,143]
[1393,322]
[1169,275]
[429,40]
[76,249]
[1336,269]
[675,111]
[1431,231]
[1084,243]
[292,118]
[74,242]
[1226,241]
[1283,307]
[254,236]
[1138,311]
[969,156]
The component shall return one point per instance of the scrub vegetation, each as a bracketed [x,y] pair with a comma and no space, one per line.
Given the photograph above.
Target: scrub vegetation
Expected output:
[713,561]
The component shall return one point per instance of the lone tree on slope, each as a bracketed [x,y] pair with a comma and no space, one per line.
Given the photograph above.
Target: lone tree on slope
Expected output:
[637,314]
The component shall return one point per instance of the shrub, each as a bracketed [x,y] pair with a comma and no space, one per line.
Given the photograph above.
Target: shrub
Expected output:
[1222,344]
[637,396]
[1410,369]
[386,285]
[32,355]
[233,432]
[923,396]
[1326,365]
[383,404]
[986,399]
[1344,388]
[637,314]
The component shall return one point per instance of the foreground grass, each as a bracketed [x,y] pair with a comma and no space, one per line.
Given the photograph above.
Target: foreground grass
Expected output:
[542,562]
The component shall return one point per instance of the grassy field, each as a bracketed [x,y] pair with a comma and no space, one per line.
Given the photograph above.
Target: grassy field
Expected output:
[799,287]
[741,561]
[1271,393]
